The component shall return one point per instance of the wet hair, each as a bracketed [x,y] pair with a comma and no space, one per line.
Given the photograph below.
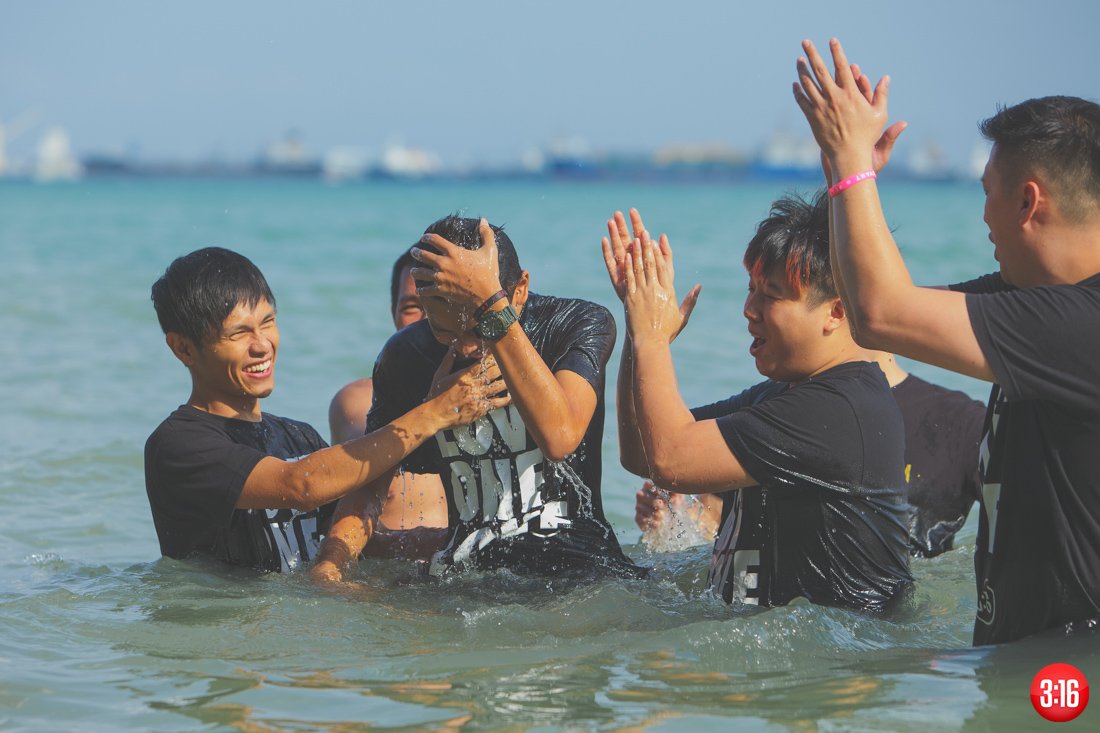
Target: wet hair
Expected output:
[464,232]
[794,241]
[405,260]
[1056,137]
[198,291]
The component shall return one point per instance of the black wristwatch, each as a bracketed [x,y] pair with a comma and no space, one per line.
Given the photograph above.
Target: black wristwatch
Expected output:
[493,325]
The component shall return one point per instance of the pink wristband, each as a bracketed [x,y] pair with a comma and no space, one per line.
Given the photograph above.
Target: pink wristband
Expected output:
[850,181]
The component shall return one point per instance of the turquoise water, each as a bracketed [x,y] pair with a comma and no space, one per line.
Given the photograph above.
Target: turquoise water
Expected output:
[98,633]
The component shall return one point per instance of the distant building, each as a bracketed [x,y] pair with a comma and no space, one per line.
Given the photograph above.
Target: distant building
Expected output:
[55,160]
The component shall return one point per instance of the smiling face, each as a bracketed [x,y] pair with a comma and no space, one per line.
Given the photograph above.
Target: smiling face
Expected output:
[791,336]
[236,369]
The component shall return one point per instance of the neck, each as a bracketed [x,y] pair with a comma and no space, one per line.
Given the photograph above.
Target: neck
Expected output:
[895,375]
[241,408]
[1066,254]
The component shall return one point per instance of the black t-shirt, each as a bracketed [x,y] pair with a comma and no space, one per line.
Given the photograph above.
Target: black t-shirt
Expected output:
[1038,554]
[827,521]
[943,429]
[196,465]
[508,506]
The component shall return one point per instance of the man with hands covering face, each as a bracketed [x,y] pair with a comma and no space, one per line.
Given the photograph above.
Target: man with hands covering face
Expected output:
[522,483]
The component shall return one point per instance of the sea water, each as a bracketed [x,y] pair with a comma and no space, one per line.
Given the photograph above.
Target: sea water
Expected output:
[97,632]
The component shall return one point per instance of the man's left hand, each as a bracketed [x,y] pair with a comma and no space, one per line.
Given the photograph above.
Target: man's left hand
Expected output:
[463,276]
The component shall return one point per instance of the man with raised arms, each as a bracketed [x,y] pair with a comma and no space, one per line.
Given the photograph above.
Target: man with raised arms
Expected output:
[227,480]
[943,429]
[810,460]
[523,483]
[1033,329]
[415,506]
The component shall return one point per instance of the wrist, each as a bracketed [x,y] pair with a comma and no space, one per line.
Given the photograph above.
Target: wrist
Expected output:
[847,164]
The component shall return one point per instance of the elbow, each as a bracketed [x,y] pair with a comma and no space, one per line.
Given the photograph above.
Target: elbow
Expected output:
[633,463]
[299,497]
[663,471]
[869,324]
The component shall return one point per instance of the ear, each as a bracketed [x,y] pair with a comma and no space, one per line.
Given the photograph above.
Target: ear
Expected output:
[182,348]
[1032,200]
[519,295]
[836,316]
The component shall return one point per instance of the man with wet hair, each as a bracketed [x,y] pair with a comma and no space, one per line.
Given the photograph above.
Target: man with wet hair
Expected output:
[811,460]
[415,501]
[1032,329]
[227,480]
[522,483]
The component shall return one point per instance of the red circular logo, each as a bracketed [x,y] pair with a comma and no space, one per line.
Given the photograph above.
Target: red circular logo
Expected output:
[1059,692]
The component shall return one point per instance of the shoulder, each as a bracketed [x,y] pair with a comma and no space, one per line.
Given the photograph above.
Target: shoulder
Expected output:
[566,312]
[412,346]
[303,434]
[915,389]
[352,395]
[184,423]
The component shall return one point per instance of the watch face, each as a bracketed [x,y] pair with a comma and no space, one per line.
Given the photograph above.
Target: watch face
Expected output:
[494,324]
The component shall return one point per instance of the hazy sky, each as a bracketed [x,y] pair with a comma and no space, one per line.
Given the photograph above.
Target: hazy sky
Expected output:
[487,80]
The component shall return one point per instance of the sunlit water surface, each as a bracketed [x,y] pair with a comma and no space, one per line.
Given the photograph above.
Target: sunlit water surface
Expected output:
[98,633]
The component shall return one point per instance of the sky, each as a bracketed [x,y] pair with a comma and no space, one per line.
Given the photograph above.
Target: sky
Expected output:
[483,81]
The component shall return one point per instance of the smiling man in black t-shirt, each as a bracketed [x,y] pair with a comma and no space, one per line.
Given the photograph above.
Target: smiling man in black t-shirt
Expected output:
[811,460]
[522,483]
[1033,329]
[228,480]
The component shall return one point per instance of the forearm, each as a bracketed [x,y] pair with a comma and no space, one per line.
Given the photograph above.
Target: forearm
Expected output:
[871,274]
[631,450]
[329,474]
[554,421]
[663,420]
[353,525]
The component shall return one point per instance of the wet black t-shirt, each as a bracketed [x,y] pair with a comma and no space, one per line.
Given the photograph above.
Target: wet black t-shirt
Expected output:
[943,429]
[827,521]
[196,465]
[1037,560]
[508,506]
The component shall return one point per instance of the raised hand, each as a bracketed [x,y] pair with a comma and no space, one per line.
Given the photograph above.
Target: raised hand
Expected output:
[846,115]
[650,300]
[463,276]
[615,246]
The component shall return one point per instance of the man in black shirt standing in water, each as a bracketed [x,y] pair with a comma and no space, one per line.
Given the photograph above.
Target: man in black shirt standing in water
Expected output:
[812,459]
[522,483]
[942,431]
[249,488]
[1033,329]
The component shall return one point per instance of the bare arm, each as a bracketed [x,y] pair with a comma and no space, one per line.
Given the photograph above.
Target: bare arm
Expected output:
[685,455]
[352,527]
[330,473]
[890,312]
[631,449]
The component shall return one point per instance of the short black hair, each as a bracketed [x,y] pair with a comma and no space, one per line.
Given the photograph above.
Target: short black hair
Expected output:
[464,232]
[794,240]
[1057,137]
[405,260]
[198,291]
